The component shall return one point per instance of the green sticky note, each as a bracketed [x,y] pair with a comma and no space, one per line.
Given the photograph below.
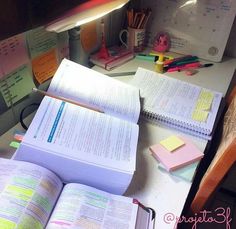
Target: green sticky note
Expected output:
[17,85]
[15,144]
[172,143]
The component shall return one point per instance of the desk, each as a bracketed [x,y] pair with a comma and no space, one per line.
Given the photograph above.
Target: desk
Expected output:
[153,187]
[216,77]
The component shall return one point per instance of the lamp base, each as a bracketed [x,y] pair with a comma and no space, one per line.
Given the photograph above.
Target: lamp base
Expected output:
[76,52]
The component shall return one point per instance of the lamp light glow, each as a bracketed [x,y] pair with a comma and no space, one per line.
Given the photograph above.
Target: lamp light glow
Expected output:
[84,13]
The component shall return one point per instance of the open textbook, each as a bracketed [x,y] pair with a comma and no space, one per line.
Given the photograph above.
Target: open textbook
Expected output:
[34,197]
[82,145]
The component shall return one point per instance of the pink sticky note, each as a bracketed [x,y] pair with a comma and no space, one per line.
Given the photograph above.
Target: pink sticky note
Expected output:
[15,50]
[182,156]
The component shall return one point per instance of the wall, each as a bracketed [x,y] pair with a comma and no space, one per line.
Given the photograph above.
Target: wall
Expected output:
[27,60]
[230,49]
[113,24]
[10,116]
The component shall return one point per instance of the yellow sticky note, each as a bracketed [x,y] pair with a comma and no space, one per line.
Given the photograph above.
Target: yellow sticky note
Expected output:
[206,95]
[202,105]
[205,100]
[172,143]
[200,115]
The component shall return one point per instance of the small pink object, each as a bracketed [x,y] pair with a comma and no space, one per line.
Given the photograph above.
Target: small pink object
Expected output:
[162,42]
[191,72]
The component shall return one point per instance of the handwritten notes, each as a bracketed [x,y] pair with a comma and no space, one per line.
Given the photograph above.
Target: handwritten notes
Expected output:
[17,85]
[13,54]
[43,51]
[172,143]
[40,41]
[33,54]
[44,66]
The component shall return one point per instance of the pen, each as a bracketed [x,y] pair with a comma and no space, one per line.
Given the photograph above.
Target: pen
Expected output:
[192,60]
[175,60]
[186,66]
[182,59]
[66,100]
[120,74]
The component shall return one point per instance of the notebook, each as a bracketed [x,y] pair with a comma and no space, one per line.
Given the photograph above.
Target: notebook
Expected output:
[178,158]
[178,104]
[117,56]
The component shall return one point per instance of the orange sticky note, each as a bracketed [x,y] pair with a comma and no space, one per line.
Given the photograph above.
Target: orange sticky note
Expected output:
[172,143]
[45,66]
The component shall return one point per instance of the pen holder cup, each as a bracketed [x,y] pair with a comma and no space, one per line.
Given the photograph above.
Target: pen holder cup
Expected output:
[134,39]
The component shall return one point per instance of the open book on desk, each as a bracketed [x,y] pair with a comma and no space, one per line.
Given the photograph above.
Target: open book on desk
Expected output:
[82,145]
[178,104]
[40,200]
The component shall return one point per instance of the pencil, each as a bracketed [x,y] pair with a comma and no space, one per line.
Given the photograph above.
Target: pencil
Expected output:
[66,100]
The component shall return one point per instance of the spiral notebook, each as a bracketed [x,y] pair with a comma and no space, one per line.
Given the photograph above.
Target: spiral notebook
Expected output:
[178,104]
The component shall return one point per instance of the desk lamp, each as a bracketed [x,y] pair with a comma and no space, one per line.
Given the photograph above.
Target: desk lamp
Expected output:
[82,14]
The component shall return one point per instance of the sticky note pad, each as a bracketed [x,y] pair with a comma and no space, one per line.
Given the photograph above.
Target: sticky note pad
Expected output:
[183,156]
[172,143]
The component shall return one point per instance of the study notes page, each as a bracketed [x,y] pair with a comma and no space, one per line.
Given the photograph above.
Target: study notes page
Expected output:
[81,134]
[87,86]
[81,206]
[28,194]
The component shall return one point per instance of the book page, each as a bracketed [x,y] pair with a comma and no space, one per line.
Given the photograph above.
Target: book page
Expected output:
[81,134]
[81,206]
[28,194]
[85,85]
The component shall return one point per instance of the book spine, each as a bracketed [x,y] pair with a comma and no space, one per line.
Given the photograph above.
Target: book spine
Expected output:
[119,61]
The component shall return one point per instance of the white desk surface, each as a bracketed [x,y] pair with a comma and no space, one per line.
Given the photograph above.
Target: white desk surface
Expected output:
[216,77]
[153,187]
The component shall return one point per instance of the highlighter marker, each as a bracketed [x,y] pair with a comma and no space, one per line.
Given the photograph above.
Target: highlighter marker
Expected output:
[183,67]
[147,57]
[160,64]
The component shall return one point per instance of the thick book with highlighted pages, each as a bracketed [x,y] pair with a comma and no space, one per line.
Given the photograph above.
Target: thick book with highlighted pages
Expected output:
[171,102]
[79,144]
[34,197]
[117,56]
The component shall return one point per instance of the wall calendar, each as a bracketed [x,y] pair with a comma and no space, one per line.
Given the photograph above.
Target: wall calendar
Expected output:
[195,27]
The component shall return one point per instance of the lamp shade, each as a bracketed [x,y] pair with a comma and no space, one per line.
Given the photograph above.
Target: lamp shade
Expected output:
[84,13]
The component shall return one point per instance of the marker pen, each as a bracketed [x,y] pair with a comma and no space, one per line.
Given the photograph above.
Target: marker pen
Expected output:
[186,66]
[146,57]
